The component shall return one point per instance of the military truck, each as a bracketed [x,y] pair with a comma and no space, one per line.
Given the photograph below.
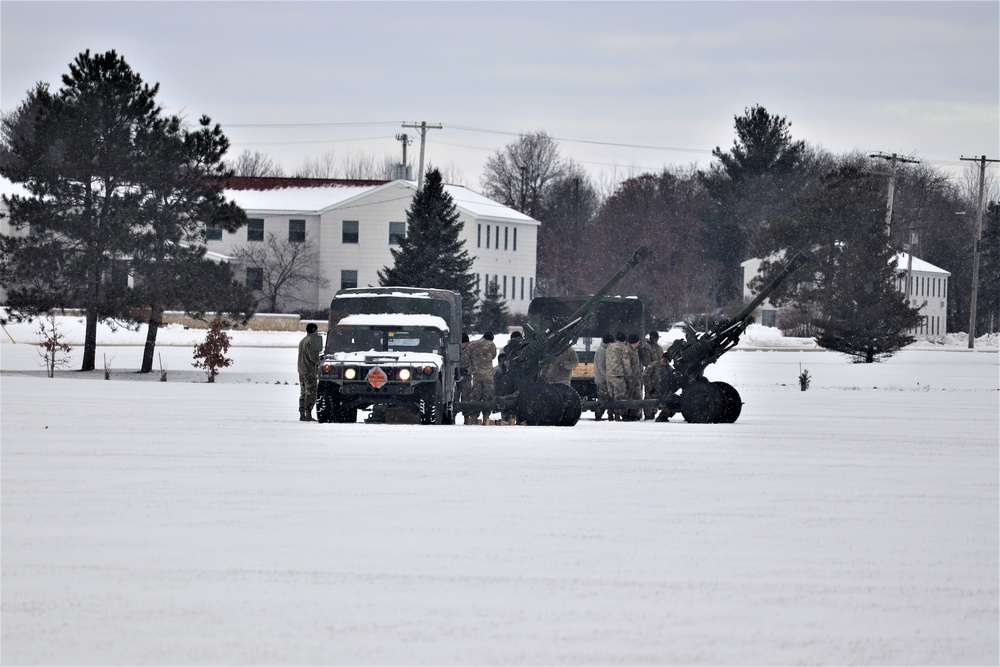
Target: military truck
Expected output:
[611,314]
[394,350]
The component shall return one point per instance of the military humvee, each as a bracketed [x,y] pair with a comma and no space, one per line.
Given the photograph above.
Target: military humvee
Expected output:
[392,349]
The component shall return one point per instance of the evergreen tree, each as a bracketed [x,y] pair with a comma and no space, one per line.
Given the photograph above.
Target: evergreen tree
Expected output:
[113,188]
[851,282]
[493,313]
[78,153]
[432,253]
[752,183]
[182,193]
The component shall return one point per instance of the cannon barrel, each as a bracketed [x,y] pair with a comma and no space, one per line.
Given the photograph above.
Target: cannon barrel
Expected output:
[798,260]
[691,356]
[532,352]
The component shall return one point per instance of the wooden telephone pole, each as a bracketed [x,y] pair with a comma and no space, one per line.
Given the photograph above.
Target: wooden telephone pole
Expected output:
[423,127]
[978,245]
[893,161]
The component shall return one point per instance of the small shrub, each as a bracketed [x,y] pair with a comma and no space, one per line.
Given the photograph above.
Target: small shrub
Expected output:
[210,355]
[54,350]
[803,378]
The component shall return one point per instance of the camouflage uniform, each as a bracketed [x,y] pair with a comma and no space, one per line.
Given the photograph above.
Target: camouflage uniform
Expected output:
[464,389]
[601,376]
[310,347]
[481,354]
[652,387]
[633,381]
[560,369]
[619,367]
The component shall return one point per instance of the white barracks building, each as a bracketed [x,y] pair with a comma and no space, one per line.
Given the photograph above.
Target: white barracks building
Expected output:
[354,224]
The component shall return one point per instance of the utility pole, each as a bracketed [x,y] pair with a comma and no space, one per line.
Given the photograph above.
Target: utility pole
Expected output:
[893,161]
[978,245]
[423,127]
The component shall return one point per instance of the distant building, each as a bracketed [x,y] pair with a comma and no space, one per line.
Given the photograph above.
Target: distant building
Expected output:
[354,224]
[928,291]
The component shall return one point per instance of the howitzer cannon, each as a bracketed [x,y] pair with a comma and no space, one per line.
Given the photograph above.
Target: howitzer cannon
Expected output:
[519,390]
[702,401]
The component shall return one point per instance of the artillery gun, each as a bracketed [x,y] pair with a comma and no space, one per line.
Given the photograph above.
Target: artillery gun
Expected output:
[700,400]
[532,401]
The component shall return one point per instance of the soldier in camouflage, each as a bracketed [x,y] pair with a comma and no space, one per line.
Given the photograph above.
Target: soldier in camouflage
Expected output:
[619,367]
[480,356]
[560,369]
[651,385]
[310,348]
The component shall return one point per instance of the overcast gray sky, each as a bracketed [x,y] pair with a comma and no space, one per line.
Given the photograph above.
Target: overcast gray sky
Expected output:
[621,85]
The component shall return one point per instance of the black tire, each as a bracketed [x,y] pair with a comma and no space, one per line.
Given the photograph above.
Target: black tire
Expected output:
[732,403]
[540,404]
[325,404]
[572,405]
[701,403]
[432,406]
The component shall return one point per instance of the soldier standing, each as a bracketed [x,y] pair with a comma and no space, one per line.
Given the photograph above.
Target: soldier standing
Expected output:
[600,373]
[619,367]
[633,380]
[481,354]
[310,347]
[652,386]
[560,369]
[464,377]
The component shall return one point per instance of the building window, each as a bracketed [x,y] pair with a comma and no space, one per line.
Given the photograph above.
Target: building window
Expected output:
[506,233]
[350,233]
[488,228]
[348,279]
[212,233]
[531,288]
[255,229]
[296,231]
[522,277]
[397,232]
[505,287]
[498,237]
[255,278]
[515,240]
[479,235]
[479,289]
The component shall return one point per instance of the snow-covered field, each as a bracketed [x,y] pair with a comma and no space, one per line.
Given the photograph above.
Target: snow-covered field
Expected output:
[192,523]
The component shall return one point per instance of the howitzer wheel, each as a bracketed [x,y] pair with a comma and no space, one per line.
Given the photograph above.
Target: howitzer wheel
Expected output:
[701,403]
[572,405]
[540,404]
[732,403]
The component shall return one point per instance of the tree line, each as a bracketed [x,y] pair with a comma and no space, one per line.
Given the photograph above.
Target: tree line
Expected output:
[767,196]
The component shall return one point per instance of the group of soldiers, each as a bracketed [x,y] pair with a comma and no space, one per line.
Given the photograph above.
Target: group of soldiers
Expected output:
[626,367]
[480,381]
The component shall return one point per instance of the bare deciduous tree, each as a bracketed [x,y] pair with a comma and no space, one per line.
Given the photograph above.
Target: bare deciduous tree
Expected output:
[518,174]
[286,267]
[256,164]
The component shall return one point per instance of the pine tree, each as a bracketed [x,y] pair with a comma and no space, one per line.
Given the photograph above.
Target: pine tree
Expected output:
[182,194]
[432,253]
[493,313]
[851,281]
[115,189]
[78,153]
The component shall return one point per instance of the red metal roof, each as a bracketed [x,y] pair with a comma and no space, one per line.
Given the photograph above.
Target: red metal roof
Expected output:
[272,183]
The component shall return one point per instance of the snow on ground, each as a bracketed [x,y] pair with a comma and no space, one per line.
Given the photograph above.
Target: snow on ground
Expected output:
[191,523]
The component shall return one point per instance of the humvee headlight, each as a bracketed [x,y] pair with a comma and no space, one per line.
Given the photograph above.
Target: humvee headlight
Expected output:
[350,373]
[404,374]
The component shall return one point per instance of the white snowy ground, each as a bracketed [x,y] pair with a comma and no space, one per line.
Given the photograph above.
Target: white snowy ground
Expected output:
[193,523]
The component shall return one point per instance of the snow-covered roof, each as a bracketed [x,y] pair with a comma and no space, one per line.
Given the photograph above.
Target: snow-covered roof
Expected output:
[317,200]
[919,265]
[395,320]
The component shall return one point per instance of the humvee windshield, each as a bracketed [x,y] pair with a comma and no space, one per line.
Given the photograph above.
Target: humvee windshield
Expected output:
[372,304]
[383,339]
